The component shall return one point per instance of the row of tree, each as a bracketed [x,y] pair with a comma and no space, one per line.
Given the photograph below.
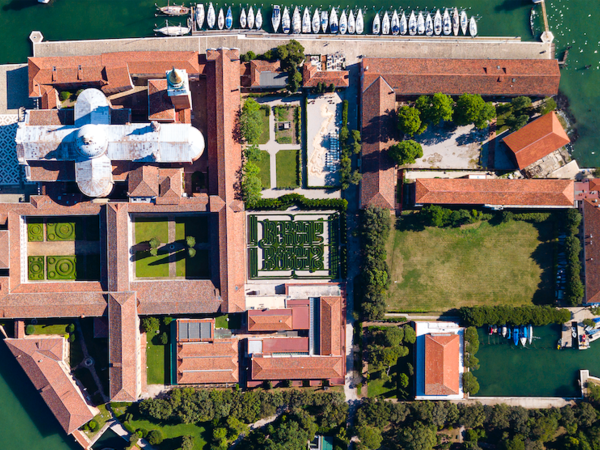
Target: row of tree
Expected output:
[478,316]
[251,125]
[348,147]
[574,287]
[470,383]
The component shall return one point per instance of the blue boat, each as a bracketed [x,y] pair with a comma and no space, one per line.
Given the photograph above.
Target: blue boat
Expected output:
[524,334]
[516,335]
[229,19]
[509,333]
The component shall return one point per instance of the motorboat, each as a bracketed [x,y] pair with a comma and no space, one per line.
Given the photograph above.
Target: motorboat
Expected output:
[324,20]
[285,20]
[420,23]
[464,22]
[333,21]
[173,30]
[243,18]
[250,18]
[490,330]
[516,335]
[306,22]
[210,16]
[259,19]
[429,25]
[276,18]
[385,24]
[376,24]
[437,26]
[494,329]
[509,334]
[229,19]
[351,23]
[412,24]
[403,24]
[360,24]
[447,23]
[316,22]
[574,332]
[455,22]
[296,21]
[503,330]
[395,23]
[530,337]
[199,16]
[473,27]
[343,23]
[173,10]
[524,333]
[221,19]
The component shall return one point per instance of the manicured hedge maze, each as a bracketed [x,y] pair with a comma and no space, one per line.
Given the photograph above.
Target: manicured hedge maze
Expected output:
[60,231]
[36,268]
[61,268]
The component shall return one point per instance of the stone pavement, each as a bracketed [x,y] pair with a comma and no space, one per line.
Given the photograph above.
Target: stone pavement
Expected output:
[58,248]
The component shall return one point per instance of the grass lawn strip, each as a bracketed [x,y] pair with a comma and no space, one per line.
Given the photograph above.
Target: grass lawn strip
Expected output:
[265,169]
[148,266]
[61,268]
[265,112]
[287,168]
[52,329]
[174,432]
[156,355]
[437,269]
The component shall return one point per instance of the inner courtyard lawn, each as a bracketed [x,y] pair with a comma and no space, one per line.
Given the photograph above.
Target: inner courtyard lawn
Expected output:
[265,113]
[157,360]
[437,269]
[287,168]
[265,169]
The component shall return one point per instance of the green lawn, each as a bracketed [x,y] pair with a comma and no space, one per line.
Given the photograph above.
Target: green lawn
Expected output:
[437,269]
[148,266]
[265,112]
[147,228]
[57,328]
[100,419]
[265,169]
[60,230]
[287,168]
[234,322]
[174,433]
[61,268]
[158,360]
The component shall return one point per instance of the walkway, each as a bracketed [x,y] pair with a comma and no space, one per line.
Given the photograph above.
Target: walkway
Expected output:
[425,318]
[60,248]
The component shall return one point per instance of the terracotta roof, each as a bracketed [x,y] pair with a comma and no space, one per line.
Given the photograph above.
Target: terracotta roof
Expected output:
[378,171]
[250,72]
[170,185]
[312,76]
[285,345]
[497,192]
[297,368]
[42,360]
[594,184]
[4,249]
[442,364]
[331,326]
[510,77]
[270,320]
[300,314]
[591,226]
[537,139]
[143,182]
[208,362]
[160,106]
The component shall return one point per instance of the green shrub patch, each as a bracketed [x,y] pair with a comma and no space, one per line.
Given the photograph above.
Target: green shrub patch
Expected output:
[60,231]
[61,268]
[36,268]
[35,230]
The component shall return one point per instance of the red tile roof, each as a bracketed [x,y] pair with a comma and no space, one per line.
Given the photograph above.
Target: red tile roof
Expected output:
[42,360]
[537,139]
[143,182]
[312,76]
[208,362]
[4,249]
[170,186]
[270,320]
[331,326]
[442,364]
[284,345]
[496,192]
[250,71]
[591,227]
[297,368]
[497,77]
[160,106]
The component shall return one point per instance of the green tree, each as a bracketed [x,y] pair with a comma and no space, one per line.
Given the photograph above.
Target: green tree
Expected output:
[488,112]
[547,105]
[294,81]
[356,142]
[470,383]
[409,121]
[404,380]
[391,336]
[436,108]
[516,443]
[158,409]
[410,336]
[253,153]
[164,338]
[29,329]
[417,437]
[251,183]
[405,152]
[251,121]
[155,437]
[471,109]
[150,325]
[290,54]
[154,243]
[370,437]
[520,104]
[187,443]
[71,328]
[517,122]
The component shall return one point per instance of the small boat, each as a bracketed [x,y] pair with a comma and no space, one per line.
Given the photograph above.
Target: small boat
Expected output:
[559,344]
[199,16]
[447,23]
[343,23]
[360,25]
[376,24]
[296,21]
[524,333]
[221,19]
[490,330]
[574,332]
[429,25]
[494,329]
[464,22]
[210,16]
[285,21]
[395,23]
[473,27]
[438,23]
[420,23]
[509,334]
[316,22]
[250,18]
[385,24]
[530,333]
[412,24]
[351,23]
[306,24]
[503,330]
[173,10]
[403,24]
[228,19]
[258,19]
[173,30]
[324,20]
[243,18]
[516,335]
[276,18]
[455,22]
[333,21]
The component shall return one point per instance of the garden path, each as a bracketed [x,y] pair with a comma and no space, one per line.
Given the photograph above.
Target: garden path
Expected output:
[172,238]
[59,248]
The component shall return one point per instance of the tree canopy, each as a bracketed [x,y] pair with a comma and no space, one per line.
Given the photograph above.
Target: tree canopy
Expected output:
[471,109]
[250,121]
[436,108]
[406,152]
[409,121]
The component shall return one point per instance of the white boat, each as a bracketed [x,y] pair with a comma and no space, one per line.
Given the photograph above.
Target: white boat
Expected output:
[403,24]
[351,23]
[285,20]
[258,19]
[455,22]
[306,24]
[343,23]
[210,16]
[333,21]
[412,24]
[229,19]
[250,18]
[420,23]
[243,18]
[360,25]
[221,19]
[376,24]
[504,330]
[44,1]
[447,23]
[276,18]
[395,23]
[324,20]
[296,21]
[464,22]
[199,16]
[173,10]
[429,25]
[173,30]
[316,22]
[523,341]
[437,23]
[473,27]
[385,24]
[530,337]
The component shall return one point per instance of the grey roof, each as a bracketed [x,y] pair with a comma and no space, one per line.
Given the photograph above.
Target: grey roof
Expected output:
[273,79]
[195,330]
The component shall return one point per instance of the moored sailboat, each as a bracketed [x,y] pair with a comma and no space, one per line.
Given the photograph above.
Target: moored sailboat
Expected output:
[296,21]
[473,27]
[276,18]
[455,22]
[516,335]
[316,22]
[343,23]
[229,19]
[285,20]
[306,23]
[376,24]
[199,16]
[259,19]
[243,18]
[173,30]
[210,16]
[333,21]
[395,23]
[173,10]
[524,333]
[351,23]
[437,25]
[324,20]
[420,23]
[464,22]
[250,18]
[530,334]
[412,24]
[360,25]
[385,24]
[403,24]
[447,23]
[221,19]
[429,25]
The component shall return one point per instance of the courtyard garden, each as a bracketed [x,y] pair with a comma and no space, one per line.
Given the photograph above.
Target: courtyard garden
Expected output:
[158,349]
[287,124]
[66,228]
[287,169]
[265,113]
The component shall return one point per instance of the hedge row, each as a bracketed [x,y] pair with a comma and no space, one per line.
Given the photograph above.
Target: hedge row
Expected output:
[285,201]
[479,316]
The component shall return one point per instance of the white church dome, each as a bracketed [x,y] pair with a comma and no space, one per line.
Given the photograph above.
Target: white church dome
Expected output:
[91,141]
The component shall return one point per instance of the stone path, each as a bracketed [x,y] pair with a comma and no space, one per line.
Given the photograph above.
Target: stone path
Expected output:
[62,248]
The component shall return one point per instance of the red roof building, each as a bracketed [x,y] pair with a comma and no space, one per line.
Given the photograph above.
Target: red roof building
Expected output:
[591,250]
[442,354]
[312,76]
[295,318]
[258,74]
[536,140]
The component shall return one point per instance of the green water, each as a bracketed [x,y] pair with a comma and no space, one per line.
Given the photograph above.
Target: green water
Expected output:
[539,370]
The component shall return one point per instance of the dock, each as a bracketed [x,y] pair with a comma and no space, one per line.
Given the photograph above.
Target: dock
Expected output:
[566,335]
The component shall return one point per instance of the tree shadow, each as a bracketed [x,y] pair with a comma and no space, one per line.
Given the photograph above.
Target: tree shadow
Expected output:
[410,222]
[472,136]
[543,255]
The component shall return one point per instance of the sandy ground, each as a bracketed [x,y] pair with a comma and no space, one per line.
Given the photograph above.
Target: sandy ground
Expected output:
[324,116]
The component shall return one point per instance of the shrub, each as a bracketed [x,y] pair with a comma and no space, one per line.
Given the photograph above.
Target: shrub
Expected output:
[92,425]
[29,329]
[187,443]
[547,105]
[409,121]
[154,242]
[190,241]
[589,323]
[71,337]
[250,121]
[471,109]
[65,95]
[478,316]
[164,339]
[406,152]
[268,384]
[470,383]
[287,383]
[285,201]
[150,324]
[155,437]
[167,320]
